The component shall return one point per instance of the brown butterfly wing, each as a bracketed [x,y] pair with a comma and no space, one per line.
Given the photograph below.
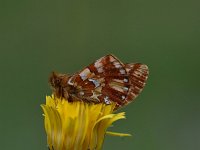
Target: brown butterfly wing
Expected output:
[102,81]
[106,80]
[138,74]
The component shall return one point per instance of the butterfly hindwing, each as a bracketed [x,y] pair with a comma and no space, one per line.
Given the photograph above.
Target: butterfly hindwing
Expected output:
[138,74]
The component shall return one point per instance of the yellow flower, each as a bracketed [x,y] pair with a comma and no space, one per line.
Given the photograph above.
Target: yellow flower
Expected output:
[77,125]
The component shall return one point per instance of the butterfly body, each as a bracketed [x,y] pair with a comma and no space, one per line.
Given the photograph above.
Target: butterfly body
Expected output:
[106,80]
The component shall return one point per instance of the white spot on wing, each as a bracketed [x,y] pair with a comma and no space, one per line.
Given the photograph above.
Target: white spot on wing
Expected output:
[70,81]
[125,80]
[123,97]
[81,93]
[95,82]
[128,69]
[122,71]
[126,88]
[117,64]
[106,100]
[85,73]
[98,63]
[100,70]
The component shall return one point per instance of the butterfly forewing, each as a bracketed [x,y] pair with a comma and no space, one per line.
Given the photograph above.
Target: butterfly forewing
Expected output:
[108,80]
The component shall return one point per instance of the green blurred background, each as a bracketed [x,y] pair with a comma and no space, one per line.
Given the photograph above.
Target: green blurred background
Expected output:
[38,36]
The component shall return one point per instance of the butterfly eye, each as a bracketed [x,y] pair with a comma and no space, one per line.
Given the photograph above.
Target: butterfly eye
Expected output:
[56,82]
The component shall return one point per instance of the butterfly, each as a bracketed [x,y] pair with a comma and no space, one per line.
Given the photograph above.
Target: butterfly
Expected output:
[107,80]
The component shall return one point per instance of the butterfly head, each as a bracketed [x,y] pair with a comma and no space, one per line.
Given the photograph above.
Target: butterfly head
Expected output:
[58,82]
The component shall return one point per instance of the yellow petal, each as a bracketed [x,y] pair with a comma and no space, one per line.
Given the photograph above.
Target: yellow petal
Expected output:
[77,125]
[117,134]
